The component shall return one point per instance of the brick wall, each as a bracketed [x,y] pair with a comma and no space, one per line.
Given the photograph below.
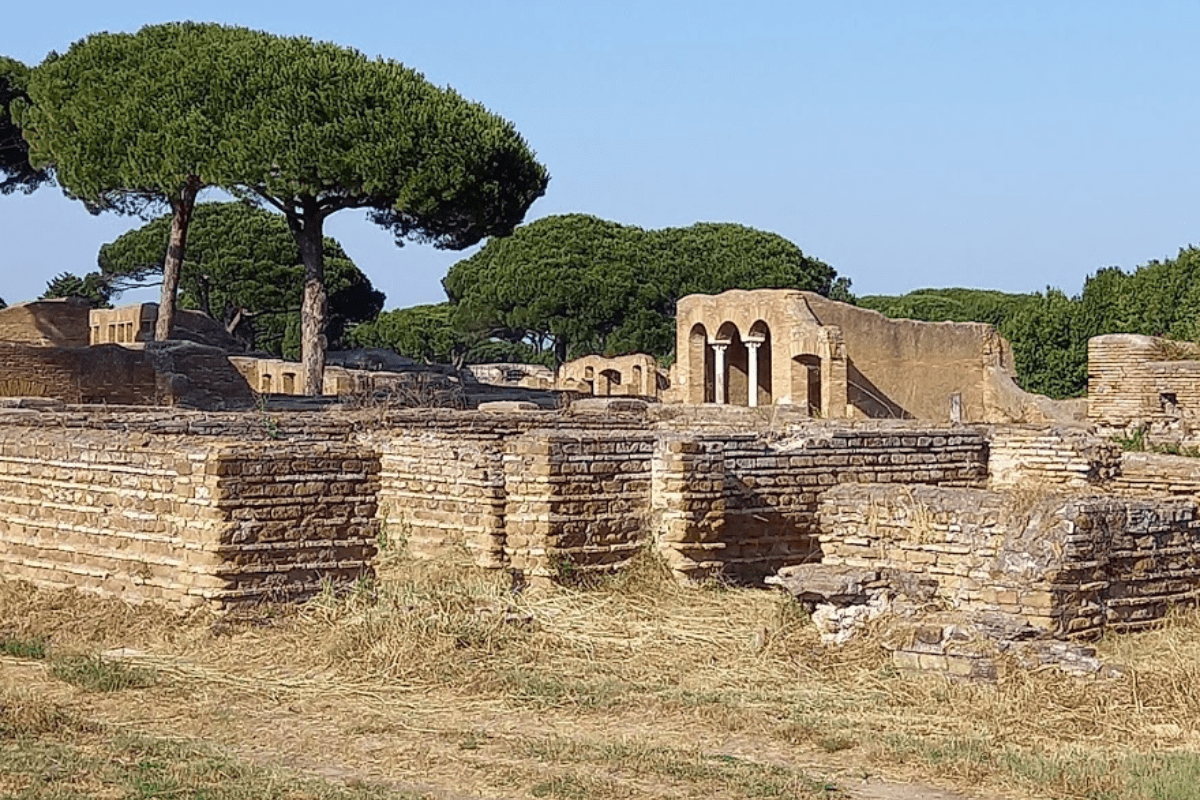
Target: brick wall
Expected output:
[182,519]
[1136,380]
[576,503]
[1069,565]
[770,487]
[1047,456]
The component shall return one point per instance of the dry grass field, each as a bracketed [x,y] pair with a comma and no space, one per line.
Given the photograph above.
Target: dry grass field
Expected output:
[440,682]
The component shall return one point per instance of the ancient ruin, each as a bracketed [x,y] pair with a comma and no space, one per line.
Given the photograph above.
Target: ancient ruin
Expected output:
[868,465]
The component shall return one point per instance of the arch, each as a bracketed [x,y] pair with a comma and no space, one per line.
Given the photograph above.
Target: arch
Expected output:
[610,382]
[700,366]
[760,332]
[737,366]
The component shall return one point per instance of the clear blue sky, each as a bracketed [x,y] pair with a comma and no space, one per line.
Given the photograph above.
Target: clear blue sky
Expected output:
[1008,145]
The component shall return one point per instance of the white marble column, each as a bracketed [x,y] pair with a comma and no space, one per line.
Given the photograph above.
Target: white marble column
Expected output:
[752,369]
[719,371]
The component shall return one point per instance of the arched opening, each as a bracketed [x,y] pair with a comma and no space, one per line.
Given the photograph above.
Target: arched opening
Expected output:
[737,367]
[759,344]
[589,379]
[610,382]
[806,383]
[701,384]
[637,384]
[266,383]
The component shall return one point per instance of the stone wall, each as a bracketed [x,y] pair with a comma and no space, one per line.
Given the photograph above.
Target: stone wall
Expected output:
[160,373]
[150,515]
[576,503]
[46,323]
[634,375]
[1072,566]
[1143,381]
[765,515]
[1155,474]
[1051,457]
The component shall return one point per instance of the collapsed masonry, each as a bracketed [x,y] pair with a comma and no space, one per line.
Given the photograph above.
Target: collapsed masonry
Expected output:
[979,538]
[1045,529]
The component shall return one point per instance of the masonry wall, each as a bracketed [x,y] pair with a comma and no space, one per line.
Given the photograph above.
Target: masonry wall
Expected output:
[46,323]
[770,488]
[1143,380]
[1073,566]
[1158,475]
[576,503]
[182,519]
[108,374]
[1052,457]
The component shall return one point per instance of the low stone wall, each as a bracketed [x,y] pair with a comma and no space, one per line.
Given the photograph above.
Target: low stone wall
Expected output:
[1069,566]
[1051,457]
[765,515]
[576,503]
[1158,475]
[443,490]
[182,519]
[166,374]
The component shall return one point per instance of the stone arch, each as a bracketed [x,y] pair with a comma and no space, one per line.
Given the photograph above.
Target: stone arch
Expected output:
[737,366]
[699,356]
[759,358]
[609,383]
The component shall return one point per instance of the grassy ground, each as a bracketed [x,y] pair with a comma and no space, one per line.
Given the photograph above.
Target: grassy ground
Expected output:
[438,681]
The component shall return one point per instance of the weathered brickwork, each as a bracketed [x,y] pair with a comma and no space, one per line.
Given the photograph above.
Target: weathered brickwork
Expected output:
[1158,475]
[576,503]
[1143,380]
[1045,456]
[148,515]
[765,515]
[1072,566]
[443,490]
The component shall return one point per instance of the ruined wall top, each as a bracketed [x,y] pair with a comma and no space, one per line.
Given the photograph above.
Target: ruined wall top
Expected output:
[60,322]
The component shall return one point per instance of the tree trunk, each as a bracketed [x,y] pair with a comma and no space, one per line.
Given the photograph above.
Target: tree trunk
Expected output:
[308,231]
[181,215]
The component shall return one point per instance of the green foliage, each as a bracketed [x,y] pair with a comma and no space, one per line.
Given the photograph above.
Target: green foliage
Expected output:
[428,333]
[127,119]
[31,647]
[16,171]
[306,127]
[91,287]
[575,284]
[953,305]
[1049,331]
[243,267]
[1049,345]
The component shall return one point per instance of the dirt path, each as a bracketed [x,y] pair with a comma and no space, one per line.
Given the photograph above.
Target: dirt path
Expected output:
[453,746]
